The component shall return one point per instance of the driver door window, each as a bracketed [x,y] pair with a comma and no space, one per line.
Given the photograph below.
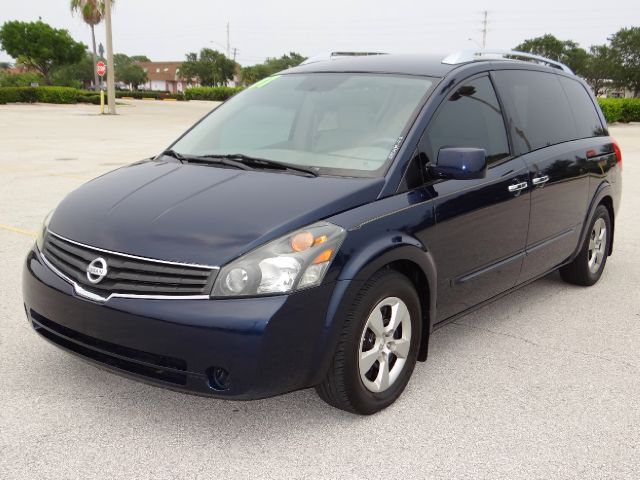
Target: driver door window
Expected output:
[471,117]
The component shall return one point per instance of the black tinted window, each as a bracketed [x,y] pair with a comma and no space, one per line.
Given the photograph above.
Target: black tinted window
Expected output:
[584,111]
[539,112]
[471,117]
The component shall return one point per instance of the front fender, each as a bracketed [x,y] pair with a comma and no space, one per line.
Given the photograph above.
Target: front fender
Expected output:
[394,247]
[366,254]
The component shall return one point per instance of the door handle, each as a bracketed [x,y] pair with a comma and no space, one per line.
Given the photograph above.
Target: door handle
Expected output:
[540,180]
[518,186]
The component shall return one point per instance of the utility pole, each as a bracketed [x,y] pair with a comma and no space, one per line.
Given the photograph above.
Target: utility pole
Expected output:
[111,87]
[484,29]
[235,52]
[228,42]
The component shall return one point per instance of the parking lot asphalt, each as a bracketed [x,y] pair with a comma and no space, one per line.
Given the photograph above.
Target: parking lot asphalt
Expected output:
[544,383]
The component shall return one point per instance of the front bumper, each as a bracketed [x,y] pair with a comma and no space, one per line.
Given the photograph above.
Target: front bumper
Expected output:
[268,345]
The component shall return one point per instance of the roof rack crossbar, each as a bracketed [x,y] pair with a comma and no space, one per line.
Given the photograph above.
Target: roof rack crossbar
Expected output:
[465,56]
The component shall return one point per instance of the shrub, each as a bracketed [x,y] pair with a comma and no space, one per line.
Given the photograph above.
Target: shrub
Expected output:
[18,95]
[93,98]
[218,94]
[630,110]
[620,109]
[56,95]
[138,95]
[38,94]
[611,109]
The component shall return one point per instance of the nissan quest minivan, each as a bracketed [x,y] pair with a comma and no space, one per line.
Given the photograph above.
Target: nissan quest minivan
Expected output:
[315,229]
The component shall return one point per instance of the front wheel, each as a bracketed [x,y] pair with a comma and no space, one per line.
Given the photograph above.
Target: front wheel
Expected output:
[378,346]
[588,266]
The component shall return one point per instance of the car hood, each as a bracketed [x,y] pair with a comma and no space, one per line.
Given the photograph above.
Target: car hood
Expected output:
[200,214]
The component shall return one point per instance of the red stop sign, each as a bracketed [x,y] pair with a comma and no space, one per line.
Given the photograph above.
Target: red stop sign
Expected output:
[101,68]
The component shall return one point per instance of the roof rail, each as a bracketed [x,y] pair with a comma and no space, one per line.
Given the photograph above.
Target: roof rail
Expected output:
[465,56]
[321,57]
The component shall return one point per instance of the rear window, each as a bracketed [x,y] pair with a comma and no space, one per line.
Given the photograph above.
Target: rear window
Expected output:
[539,113]
[584,111]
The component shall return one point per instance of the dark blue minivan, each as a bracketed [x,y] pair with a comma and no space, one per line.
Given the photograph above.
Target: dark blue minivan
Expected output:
[315,229]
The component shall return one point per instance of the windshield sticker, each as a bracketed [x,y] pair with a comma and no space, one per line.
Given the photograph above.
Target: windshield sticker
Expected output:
[396,147]
[265,81]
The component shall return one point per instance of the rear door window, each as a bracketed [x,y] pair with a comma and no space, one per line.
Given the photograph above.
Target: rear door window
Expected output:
[470,117]
[584,111]
[539,113]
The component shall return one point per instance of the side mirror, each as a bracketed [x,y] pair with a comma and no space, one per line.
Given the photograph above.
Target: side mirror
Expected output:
[460,163]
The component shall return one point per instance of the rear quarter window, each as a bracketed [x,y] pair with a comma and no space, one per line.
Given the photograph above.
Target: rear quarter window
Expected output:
[538,109]
[585,115]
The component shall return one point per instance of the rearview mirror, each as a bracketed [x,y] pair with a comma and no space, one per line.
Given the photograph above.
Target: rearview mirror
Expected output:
[460,163]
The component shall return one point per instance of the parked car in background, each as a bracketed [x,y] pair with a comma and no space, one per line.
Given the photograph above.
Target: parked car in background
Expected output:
[314,230]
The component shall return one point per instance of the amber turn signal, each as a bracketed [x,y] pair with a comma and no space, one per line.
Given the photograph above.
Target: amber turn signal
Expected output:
[324,256]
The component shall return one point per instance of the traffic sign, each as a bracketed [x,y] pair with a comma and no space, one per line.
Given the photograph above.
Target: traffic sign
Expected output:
[101,68]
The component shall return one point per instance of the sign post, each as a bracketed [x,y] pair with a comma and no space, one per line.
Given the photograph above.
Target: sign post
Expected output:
[101,69]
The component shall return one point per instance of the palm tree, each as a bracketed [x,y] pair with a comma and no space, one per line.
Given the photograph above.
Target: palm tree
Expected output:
[92,12]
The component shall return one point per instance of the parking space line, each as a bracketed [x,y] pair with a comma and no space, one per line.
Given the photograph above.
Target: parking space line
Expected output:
[21,231]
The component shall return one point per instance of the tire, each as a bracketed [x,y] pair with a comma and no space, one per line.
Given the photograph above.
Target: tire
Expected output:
[588,266]
[384,302]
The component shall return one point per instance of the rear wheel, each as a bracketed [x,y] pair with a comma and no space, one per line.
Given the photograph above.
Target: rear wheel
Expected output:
[588,266]
[378,346]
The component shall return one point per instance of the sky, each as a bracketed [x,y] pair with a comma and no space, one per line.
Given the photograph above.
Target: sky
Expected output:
[260,29]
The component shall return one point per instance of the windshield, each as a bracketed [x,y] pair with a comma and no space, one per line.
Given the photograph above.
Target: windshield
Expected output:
[336,123]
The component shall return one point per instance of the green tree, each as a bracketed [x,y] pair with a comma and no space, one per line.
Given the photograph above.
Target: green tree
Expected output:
[625,44]
[273,65]
[285,61]
[211,67]
[128,71]
[120,59]
[253,74]
[567,51]
[92,12]
[601,68]
[131,74]
[140,58]
[575,57]
[40,46]
[76,74]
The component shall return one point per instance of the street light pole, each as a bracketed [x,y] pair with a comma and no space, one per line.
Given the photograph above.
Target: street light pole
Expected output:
[111,88]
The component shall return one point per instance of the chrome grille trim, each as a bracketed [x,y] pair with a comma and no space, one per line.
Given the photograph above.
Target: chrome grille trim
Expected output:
[97,298]
[205,274]
[146,259]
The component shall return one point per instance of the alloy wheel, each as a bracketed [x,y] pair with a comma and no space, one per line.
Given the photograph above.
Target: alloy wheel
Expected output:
[384,344]
[597,244]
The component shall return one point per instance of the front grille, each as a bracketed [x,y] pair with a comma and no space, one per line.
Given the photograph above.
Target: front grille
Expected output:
[159,367]
[126,275]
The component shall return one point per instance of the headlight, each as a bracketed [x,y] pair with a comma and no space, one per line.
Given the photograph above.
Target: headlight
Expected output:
[43,229]
[293,262]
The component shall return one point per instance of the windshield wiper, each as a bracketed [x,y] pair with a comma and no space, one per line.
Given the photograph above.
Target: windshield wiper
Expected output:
[206,159]
[263,163]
